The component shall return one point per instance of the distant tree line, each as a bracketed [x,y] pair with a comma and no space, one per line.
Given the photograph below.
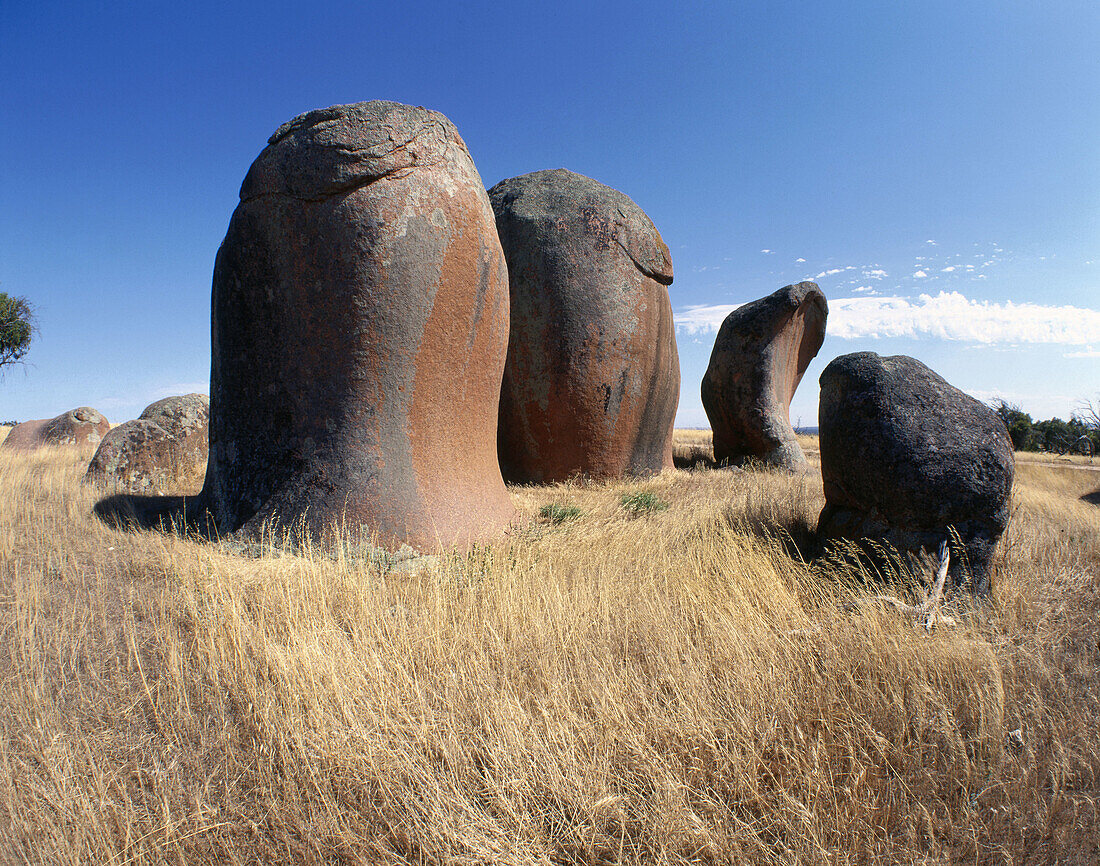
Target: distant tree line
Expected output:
[1079,435]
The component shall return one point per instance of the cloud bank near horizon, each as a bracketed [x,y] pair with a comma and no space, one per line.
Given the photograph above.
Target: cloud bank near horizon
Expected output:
[946,316]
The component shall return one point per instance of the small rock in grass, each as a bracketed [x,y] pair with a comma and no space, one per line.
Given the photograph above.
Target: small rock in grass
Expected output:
[75,427]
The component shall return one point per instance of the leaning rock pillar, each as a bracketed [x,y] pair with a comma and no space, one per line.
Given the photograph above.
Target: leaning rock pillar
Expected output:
[759,356]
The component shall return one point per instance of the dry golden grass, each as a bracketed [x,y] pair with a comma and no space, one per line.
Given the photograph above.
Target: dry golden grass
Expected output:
[694,449]
[666,686]
[1081,460]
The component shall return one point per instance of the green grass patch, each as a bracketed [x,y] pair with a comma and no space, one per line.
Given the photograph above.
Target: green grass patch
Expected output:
[642,502]
[557,513]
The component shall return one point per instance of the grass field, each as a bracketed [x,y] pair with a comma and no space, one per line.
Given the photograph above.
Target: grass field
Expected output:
[644,672]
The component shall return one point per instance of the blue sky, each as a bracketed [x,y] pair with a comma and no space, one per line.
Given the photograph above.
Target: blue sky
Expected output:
[935,165]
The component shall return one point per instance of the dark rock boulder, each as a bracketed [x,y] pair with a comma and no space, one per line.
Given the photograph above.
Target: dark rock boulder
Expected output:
[80,426]
[360,326]
[593,378]
[163,449]
[905,456]
[759,356]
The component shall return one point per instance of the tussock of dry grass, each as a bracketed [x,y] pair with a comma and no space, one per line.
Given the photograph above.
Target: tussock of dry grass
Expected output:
[673,686]
[1058,459]
[694,449]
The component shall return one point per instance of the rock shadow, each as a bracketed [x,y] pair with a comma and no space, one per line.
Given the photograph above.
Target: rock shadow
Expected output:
[867,563]
[181,515]
[693,457]
[796,537]
[1092,498]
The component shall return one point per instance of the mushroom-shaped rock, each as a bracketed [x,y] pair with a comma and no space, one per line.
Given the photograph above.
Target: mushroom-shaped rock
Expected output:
[593,378]
[759,356]
[75,427]
[360,327]
[164,448]
[906,458]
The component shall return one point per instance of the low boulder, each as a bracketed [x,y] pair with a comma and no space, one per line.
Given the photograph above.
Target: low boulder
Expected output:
[906,458]
[75,427]
[759,356]
[162,449]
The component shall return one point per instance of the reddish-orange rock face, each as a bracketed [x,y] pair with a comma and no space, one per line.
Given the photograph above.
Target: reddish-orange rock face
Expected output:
[360,326]
[74,427]
[593,378]
[759,356]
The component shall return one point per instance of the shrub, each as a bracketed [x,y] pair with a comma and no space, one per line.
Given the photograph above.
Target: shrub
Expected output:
[17,327]
[642,502]
[556,513]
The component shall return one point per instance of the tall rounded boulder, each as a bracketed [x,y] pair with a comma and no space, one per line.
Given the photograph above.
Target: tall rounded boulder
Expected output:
[83,425]
[906,458]
[593,378]
[760,354]
[360,326]
[162,450]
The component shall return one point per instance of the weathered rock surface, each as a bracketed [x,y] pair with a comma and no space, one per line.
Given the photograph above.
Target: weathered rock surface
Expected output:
[905,456]
[166,446]
[759,356]
[360,326]
[75,427]
[593,378]
[186,416]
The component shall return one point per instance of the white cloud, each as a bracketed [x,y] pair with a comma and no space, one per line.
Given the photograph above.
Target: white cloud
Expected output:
[952,316]
[179,388]
[832,271]
[129,407]
[947,270]
[701,318]
[946,316]
[876,274]
[932,242]
[767,252]
[803,261]
[110,404]
[864,289]
[920,275]
[1084,353]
